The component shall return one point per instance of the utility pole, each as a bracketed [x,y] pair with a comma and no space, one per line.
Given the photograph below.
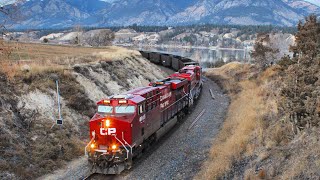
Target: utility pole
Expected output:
[60,120]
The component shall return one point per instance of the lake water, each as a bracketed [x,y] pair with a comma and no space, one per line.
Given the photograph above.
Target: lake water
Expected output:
[206,57]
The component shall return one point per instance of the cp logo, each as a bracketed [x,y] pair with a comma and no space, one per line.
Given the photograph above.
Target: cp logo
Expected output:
[109,131]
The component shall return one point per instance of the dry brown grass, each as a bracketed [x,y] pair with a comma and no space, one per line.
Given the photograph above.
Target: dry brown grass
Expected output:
[40,52]
[244,118]
[28,59]
[255,134]
[13,70]
[116,53]
[303,161]
[240,123]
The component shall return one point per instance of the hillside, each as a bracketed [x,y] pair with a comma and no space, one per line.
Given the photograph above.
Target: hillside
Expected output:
[272,126]
[257,141]
[30,145]
[62,13]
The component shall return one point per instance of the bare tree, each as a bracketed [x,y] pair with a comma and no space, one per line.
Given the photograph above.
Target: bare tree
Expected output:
[264,52]
[78,30]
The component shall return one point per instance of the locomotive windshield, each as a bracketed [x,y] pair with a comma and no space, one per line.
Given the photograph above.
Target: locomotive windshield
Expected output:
[117,109]
[105,109]
[124,109]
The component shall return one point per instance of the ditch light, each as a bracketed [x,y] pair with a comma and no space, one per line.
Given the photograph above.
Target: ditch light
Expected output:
[122,101]
[106,102]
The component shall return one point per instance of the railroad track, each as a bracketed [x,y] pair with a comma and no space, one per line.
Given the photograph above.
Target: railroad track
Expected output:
[87,177]
[98,177]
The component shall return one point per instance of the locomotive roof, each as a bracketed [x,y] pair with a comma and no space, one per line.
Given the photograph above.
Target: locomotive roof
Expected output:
[136,95]
[137,99]
[190,67]
[187,72]
[172,82]
[141,90]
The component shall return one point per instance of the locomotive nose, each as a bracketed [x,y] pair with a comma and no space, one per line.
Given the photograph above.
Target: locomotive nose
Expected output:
[110,133]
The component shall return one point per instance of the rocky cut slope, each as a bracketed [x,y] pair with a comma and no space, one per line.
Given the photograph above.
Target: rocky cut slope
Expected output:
[67,13]
[30,145]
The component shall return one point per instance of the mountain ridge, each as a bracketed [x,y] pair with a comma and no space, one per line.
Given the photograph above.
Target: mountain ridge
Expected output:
[98,13]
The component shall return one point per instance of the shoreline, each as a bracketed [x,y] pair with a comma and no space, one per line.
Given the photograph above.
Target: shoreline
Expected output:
[213,48]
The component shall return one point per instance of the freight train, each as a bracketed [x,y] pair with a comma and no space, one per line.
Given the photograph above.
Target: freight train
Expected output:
[172,61]
[127,124]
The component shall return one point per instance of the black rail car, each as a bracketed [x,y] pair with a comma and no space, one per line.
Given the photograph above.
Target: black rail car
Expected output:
[166,60]
[145,54]
[184,61]
[155,57]
[172,61]
[175,62]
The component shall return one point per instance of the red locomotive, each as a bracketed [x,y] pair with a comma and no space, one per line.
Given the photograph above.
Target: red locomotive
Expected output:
[126,124]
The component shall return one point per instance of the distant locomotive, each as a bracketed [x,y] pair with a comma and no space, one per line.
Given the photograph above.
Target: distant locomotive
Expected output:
[126,124]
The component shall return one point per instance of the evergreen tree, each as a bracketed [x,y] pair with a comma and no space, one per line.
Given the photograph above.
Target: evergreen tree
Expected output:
[307,38]
[301,87]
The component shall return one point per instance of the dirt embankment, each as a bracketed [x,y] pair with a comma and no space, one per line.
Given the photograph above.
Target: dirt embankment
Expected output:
[255,142]
[30,145]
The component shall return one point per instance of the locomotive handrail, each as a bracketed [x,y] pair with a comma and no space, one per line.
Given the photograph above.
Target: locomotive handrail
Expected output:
[175,102]
[115,136]
[179,99]
[153,95]
[153,101]
[85,149]
[126,142]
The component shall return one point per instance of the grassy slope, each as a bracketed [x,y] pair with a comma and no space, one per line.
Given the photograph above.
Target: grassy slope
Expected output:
[254,142]
[42,58]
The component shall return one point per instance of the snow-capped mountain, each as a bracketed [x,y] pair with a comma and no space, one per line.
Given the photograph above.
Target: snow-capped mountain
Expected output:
[303,6]
[67,13]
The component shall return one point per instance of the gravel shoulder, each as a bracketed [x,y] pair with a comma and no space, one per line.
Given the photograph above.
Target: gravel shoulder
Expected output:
[178,155]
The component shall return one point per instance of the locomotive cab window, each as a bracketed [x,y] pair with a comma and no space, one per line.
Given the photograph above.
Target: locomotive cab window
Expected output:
[124,109]
[105,109]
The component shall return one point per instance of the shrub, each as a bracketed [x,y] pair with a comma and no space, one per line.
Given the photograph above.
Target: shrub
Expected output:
[45,40]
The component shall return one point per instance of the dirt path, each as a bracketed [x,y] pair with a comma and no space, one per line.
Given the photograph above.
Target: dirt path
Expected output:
[180,153]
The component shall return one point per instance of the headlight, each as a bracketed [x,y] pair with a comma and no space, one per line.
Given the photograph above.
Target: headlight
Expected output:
[107,122]
[114,147]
